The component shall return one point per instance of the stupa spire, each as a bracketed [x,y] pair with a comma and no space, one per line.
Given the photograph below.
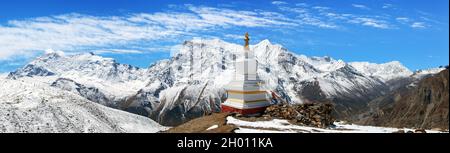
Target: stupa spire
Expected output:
[246,39]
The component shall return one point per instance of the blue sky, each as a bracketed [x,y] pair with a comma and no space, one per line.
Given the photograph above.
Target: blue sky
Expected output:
[139,32]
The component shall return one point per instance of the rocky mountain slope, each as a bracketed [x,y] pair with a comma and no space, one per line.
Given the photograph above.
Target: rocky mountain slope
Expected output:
[422,104]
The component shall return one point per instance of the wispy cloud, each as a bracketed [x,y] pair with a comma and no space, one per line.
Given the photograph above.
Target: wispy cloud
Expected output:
[321,8]
[234,36]
[402,19]
[387,6]
[279,2]
[224,17]
[326,17]
[370,22]
[418,25]
[412,23]
[118,51]
[74,32]
[360,6]
[115,34]
[302,4]
[298,10]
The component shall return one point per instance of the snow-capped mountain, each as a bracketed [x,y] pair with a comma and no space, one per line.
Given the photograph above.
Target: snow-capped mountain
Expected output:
[296,78]
[418,74]
[85,65]
[30,105]
[85,74]
[193,79]
[385,72]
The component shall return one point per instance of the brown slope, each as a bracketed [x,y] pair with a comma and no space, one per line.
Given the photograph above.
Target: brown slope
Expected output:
[425,105]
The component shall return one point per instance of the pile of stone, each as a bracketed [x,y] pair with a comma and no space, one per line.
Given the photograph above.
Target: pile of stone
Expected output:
[311,114]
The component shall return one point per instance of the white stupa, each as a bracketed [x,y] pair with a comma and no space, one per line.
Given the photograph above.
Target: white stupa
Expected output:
[245,95]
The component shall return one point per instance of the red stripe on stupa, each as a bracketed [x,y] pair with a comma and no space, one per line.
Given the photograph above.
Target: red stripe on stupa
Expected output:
[250,111]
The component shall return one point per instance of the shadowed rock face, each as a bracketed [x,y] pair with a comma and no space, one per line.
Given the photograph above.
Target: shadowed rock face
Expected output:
[30,70]
[425,105]
[181,104]
[90,93]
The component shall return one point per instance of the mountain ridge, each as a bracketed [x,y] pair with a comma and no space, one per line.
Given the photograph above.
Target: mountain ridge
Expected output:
[296,78]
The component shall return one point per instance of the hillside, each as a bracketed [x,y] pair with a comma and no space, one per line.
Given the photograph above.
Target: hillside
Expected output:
[422,104]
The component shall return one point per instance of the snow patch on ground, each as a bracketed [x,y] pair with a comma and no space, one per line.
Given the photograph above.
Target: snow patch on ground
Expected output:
[212,127]
[283,126]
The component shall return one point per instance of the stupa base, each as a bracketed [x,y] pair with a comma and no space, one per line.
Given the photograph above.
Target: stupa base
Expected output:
[249,111]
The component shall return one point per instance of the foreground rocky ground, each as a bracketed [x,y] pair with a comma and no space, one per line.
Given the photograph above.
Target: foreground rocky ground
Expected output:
[305,118]
[214,123]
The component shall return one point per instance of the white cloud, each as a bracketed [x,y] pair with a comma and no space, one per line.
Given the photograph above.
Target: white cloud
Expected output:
[279,3]
[71,31]
[224,17]
[75,32]
[307,19]
[370,22]
[304,16]
[234,36]
[418,25]
[386,6]
[360,6]
[321,8]
[294,9]
[301,4]
[402,19]
[335,16]
[118,51]
[325,17]
[411,23]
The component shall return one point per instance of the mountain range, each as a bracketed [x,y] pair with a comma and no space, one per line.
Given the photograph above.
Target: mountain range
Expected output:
[190,83]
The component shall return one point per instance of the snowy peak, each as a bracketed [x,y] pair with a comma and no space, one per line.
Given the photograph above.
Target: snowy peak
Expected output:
[324,64]
[418,74]
[385,71]
[264,42]
[80,65]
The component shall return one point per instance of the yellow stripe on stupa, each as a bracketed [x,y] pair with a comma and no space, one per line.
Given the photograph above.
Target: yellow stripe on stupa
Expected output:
[245,92]
[250,101]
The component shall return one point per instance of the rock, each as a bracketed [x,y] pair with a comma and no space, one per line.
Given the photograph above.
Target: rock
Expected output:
[399,131]
[420,131]
[311,114]
[410,132]
[317,116]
